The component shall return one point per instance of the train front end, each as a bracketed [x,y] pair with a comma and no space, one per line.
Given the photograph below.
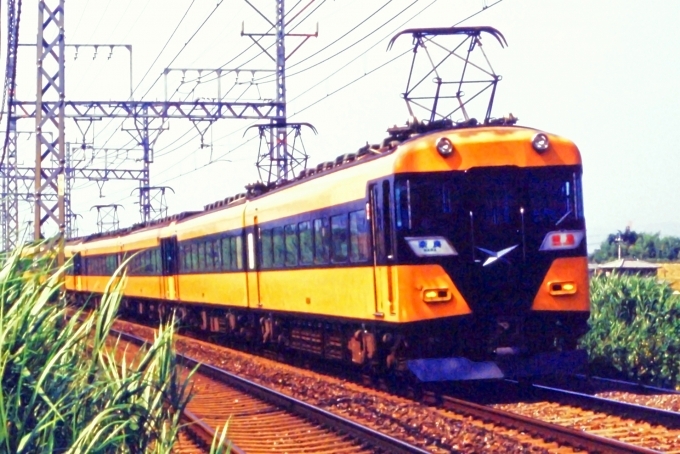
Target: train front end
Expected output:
[492,252]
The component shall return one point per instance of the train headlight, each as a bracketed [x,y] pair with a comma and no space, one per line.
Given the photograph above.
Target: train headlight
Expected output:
[445,147]
[540,142]
[562,288]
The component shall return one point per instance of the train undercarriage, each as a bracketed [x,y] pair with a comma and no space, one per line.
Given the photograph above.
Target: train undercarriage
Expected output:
[457,348]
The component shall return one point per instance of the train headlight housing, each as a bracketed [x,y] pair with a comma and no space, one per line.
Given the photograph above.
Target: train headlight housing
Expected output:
[540,142]
[558,241]
[437,295]
[562,288]
[445,147]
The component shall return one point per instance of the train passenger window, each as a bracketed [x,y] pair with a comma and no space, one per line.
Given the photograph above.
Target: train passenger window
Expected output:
[217,256]
[143,262]
[236,253]
[266,257]
[157,253]
[194,257]
[339,238]
[279,246]
[291,245]
[150,262]
[322,241]
[201,256]
[306,243]
[359,236]
[402,195]
[226,253]
[111,264]
[185,258]
[208,256]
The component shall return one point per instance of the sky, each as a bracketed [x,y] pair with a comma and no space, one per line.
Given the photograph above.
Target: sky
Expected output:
[602,73]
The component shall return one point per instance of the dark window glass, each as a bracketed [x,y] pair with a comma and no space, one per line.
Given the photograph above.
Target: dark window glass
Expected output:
[339,238]
[201,256]
[157,253]
[279,246]
[194,257]
[185,260]
[291,245]
[226,254]
[217,254]
[402,194]
[554,199]
[111,264]
[148,264]
[387,218]
[209,255]
[236,253]
[359,236]
[267,257]
[322,241]
[306,243]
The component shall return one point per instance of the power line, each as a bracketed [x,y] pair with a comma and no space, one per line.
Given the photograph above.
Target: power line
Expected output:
[381,66]
[350,83]
[164,46]
[186,44]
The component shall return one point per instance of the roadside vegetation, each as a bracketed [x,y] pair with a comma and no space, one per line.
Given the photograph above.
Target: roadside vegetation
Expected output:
[634,329]
[643,246]
[61,389]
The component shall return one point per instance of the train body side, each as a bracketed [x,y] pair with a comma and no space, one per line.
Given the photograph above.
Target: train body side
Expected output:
[406,244]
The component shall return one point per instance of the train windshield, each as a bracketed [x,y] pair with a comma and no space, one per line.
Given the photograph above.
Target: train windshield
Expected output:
[490,201]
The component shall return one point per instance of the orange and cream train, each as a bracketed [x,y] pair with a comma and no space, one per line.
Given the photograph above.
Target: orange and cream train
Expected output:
[453,251]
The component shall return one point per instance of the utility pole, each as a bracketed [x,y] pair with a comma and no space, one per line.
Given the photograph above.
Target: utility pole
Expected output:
[50,118]
[279,160]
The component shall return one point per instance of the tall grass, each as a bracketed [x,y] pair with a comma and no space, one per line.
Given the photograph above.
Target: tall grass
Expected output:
[62,390]
[635,328]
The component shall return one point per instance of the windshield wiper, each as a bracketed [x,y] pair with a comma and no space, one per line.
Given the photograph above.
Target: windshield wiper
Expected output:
[563,217]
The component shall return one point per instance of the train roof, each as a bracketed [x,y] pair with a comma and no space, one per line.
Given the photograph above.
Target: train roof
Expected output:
[398,135]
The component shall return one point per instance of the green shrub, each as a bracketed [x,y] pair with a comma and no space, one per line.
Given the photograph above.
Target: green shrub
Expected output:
[634,328]
[61,389]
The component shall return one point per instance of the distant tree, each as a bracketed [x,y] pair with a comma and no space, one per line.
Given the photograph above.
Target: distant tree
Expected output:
[644,246]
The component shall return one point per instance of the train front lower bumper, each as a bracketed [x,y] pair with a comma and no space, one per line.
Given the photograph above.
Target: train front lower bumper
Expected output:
[459,368]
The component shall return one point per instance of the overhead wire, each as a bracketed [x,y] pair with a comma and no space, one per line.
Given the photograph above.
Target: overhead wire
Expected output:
[381,66]
[174,58]
[159,55]
[172,35]
[357,79]
[354,43]
[319,100]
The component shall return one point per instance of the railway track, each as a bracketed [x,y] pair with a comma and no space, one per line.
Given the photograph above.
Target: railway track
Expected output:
[263,420]
[625,426]
[557,430]
[529,432]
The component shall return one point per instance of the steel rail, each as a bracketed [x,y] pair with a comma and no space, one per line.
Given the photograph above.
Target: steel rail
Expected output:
[566,435]
[292,405]
[669,417]
[631,385]
[203,433]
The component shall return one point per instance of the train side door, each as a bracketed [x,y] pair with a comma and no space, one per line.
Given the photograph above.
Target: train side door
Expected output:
[78,271]
[383,246]
[252,268]
[170,268]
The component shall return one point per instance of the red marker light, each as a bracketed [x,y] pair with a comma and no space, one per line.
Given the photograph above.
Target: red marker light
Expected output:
[562,240]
